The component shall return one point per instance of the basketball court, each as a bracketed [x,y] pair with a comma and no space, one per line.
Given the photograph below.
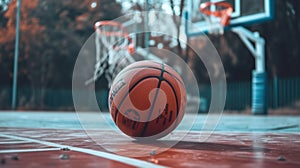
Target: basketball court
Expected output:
[38,141]
[162,99]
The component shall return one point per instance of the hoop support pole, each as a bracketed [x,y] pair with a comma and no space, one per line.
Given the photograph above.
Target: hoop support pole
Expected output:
[259,75]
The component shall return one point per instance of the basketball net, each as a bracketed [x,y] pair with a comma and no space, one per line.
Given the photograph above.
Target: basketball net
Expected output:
[217,15]
[113,49]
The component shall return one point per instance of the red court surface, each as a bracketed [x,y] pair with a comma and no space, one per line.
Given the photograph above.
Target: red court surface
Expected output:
[23,147]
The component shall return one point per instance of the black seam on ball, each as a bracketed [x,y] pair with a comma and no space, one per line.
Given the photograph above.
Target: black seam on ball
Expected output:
[177,104]
[133,68]
[154,101]
[130,89]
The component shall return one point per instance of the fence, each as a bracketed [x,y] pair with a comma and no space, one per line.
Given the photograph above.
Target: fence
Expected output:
[281,92]
[54,99]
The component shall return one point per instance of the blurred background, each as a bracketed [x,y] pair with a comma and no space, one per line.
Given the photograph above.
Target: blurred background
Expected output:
[53,32]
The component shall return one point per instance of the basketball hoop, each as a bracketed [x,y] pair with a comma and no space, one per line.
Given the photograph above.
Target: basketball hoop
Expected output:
[217,14]
[113,49]
[114,35]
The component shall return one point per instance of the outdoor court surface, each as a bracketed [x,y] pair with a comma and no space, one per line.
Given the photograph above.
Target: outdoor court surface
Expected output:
[52,139]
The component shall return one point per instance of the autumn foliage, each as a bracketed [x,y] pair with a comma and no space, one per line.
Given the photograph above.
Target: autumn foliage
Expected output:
[51,35]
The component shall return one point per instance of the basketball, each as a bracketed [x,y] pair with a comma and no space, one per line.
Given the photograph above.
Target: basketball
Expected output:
[147,99]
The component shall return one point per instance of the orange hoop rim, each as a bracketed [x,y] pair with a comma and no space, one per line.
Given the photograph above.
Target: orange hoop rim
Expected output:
[204,8]
[111,23]
[124,34]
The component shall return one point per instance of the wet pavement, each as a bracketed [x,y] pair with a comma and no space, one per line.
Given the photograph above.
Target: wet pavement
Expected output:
[34,139]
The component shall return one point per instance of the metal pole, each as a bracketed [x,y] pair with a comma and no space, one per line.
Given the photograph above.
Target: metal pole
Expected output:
[15,73]
[147,27]
[256,46]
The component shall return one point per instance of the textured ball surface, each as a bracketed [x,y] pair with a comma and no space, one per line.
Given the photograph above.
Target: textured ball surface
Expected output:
[147,99]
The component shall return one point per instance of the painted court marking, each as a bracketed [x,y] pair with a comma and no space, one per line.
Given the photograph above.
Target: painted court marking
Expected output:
[29,150]
[12,142]
[109,156]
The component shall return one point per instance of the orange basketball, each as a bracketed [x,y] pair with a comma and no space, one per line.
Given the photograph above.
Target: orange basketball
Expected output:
[147,99]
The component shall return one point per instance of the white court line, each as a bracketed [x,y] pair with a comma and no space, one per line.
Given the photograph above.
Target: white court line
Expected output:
[109,156]
[29,150]
[13,142]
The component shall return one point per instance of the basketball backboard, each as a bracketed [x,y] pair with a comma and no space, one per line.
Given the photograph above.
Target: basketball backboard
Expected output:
[245,12]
